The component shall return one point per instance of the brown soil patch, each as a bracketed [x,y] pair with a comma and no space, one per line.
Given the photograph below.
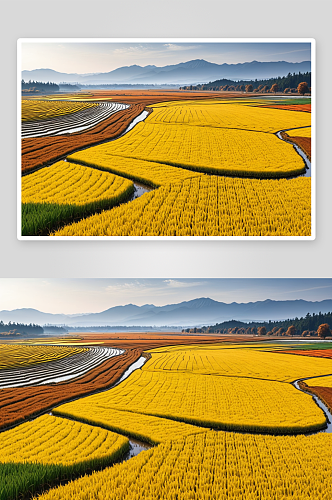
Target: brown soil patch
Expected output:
[39,151]
[324,393]
[303,142]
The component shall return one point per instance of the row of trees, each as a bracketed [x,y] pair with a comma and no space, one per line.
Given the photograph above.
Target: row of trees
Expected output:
[289,83]
[20,329]
[310,325]
[302,89]
[32,86]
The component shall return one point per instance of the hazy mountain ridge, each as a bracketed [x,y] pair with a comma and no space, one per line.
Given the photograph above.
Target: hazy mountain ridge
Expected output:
[190,72]
[200,311]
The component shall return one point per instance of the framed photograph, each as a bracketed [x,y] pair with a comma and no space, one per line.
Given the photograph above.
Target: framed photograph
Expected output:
[165,388]
[166,138]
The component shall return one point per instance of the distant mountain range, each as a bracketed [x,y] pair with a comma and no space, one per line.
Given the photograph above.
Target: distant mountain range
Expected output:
[197,312]
[187,73]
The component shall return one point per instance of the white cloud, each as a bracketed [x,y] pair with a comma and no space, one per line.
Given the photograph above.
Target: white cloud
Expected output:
[181,284]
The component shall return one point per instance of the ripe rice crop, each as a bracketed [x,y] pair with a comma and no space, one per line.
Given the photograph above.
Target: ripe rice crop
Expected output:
[147,172]
[212,150]
[62,448]
[150,429]
[19,403]
[54,440]
[59,370]
[227,115]
[242,362]
[320,381]
[33,110]
[39,151]
[219,466]
[223,402]
[18,356]
[208,206]
[300,132]
[75,122]
[57,194]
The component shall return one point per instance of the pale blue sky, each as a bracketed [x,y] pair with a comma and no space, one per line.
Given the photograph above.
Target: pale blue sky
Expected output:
[103,57]
[72,296]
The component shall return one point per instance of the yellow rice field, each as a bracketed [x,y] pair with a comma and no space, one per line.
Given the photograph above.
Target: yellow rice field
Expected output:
[206,149]
[320,381]
[223,402]
[300,132]
[208,206]
[250,363]
[15,356]
[228,115]
[67,183]
[54,440]
[33,109]
[220,466]
[148,428]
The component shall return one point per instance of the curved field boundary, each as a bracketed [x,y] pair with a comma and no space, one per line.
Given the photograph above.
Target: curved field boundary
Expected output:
[17,404]
[38,152]
[75,122]
[57,371]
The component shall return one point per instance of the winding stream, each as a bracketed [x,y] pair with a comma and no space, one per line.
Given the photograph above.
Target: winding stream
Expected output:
[318,401]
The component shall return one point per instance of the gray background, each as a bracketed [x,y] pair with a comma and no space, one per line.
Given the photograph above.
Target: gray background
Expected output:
[171,18]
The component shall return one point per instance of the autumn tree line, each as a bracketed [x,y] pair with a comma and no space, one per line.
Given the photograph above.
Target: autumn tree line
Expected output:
[32,86]
[290,84]
[13,329]
[315,325]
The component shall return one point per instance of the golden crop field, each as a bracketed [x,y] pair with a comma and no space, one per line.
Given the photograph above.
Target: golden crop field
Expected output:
[68,183]
[208,206]
[300,132]
[33,110]
[172,150]
[54,440]
[150,173]
[250,363]
[228,115]
[148,428]
[223,402]
[319,381]
[220,466]
[208,149]
[16,356]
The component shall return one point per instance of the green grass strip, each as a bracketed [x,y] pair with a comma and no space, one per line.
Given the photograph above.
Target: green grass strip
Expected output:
[20,481]
[40,219]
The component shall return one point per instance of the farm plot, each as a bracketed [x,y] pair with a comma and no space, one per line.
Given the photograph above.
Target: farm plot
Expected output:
[64,191]
[18,356]
[222,466]
[226,114]
[60,370]
[208,206]
[300,132]
[148,428]
[211,150]
[39,151]
[242,362]
[50,449]
[222,402]
[17,404]
[74,122]
[44,109]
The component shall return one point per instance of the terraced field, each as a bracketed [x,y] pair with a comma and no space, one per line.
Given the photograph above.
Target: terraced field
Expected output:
[73,122]
[72,366]
[207,159]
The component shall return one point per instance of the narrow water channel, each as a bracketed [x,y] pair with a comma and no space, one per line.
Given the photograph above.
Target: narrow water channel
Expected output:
[297,148]
[318,401]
